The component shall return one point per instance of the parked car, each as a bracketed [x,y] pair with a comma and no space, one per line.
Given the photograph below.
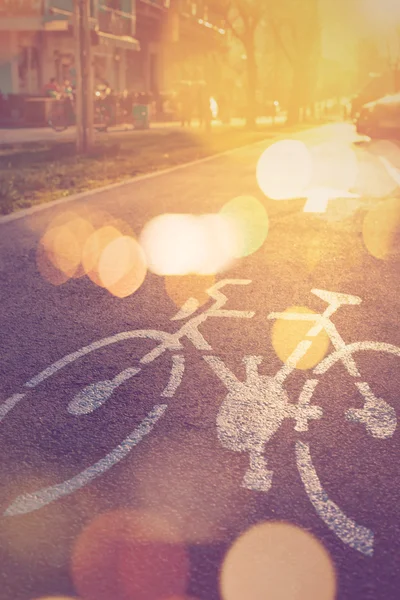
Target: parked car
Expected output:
[378,86]
[380,118]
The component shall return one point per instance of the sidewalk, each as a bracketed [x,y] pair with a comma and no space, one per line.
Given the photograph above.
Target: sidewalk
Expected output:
[46,134]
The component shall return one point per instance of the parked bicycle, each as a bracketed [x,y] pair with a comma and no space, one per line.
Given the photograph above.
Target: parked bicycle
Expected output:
[63,115]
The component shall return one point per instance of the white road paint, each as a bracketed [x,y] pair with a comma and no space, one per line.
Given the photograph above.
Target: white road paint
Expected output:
[347,351]
[378,416]
[168,340]
[190,307]
[33,501]
[336,299]
[250,415]
[291,362]
[10,403]
[95,395]
[177,371]
[318,198]
[323,322]
[316,203]
[253,412]
[356,536]
[306,412]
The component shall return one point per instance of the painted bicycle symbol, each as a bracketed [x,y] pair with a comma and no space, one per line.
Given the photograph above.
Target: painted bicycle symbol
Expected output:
[251,413]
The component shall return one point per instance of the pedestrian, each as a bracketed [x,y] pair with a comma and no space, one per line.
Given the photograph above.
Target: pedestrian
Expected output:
[69,99]
[186,103]
[51,88]
[203,106]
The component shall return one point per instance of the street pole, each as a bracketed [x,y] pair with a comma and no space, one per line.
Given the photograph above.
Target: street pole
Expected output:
[84,76]
[78,75]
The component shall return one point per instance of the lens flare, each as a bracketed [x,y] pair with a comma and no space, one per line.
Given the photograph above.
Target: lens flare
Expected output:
[60,250]
[122,267]
[381,230]
[46,261]
[94,248]
[277,561]
[192,485]
[130,554]
[172,244]
[285,170]
[42,542]
[248,224]
[177,244]
[287,335]
[219,242]
[335,166]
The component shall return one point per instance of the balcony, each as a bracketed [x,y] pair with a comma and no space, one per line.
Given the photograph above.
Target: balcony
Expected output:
[61,5]
[116,22]
[203,14]
[157,3]
[23,15]
[115,27]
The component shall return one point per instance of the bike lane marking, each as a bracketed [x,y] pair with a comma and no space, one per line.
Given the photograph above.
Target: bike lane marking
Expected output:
[356,536]
[250,415]
[94,395]
[27,503]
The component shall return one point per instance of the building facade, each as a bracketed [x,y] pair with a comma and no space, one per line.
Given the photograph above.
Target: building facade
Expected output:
[139,45]
[37,42]
[179,40]
[195,41]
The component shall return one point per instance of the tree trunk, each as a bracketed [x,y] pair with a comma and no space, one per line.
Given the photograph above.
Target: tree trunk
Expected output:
[300,94]
[251,83]
[296,100]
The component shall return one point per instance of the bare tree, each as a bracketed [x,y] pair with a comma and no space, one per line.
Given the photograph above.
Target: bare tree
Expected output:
[296,27]
[243,17]
[392,55]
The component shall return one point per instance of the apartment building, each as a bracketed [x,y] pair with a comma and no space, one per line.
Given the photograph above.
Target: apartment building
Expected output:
[36,42]
[138,45]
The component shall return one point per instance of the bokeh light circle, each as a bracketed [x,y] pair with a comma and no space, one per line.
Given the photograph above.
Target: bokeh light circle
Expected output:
[180,244]
[381,229]
[277,561]
[284,170]
[59,252]
[130,554]
[219,244]
[335,165]
[122,266]
[55,267]
[287,335]
[93,249]
[248,222]
[173,244]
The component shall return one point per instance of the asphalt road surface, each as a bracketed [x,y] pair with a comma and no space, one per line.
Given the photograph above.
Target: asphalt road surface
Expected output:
[139,487]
